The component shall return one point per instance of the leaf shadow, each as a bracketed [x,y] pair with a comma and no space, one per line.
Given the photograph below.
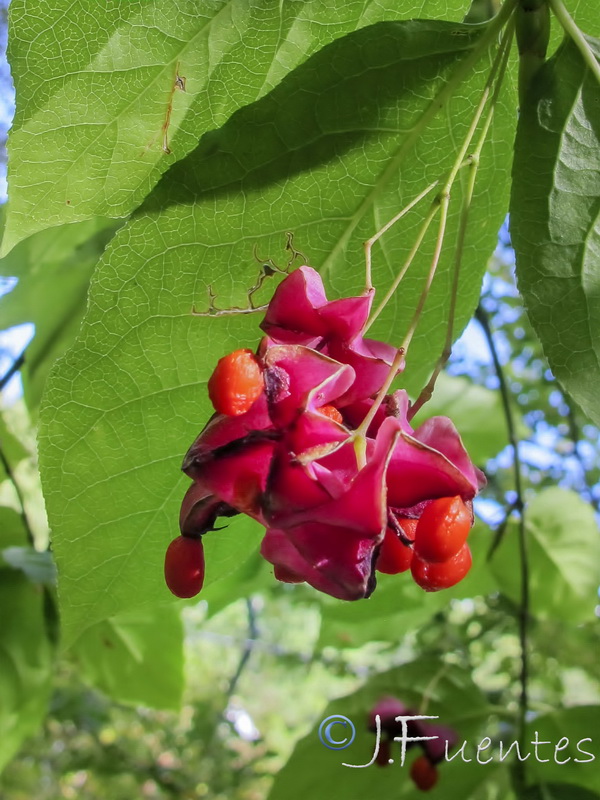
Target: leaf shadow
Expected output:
[357,88]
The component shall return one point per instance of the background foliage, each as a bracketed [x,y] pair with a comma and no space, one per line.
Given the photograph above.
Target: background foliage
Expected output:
[160,154]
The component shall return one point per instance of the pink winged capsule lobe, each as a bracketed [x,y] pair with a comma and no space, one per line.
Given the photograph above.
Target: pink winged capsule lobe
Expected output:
[297,460]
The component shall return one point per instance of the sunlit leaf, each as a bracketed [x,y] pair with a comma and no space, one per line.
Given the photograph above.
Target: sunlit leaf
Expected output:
[563,548]
[559,791]
[126,88]
[330,154]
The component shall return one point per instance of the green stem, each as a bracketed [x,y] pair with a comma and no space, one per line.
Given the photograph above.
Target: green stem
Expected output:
[462,70]
[360,433]
[427,391]
[14,368]
[473,162]
[413,252]
[369,246]
[499,65]
[442,201]
[532,20]
[570,28]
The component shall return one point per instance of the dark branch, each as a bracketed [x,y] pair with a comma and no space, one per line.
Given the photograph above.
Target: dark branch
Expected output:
[14,367]
[519,505]
[23,513]
[246,652]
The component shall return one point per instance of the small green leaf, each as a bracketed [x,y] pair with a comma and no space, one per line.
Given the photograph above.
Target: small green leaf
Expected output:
[136,657]
[26,658]
[254,575]
[396,607]
[563,554]
[49,247]
[555,220]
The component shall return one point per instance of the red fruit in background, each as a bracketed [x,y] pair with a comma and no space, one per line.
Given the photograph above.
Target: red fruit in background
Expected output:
[441,575]
[235,383]
[395,556]
[184,566]
[424,774]
[443,529]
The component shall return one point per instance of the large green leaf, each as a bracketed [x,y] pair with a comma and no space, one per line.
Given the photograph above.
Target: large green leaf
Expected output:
[563,554]
[25,662]
[333,151]
[317,772]
[555,221]
[136,657]
[97,103]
